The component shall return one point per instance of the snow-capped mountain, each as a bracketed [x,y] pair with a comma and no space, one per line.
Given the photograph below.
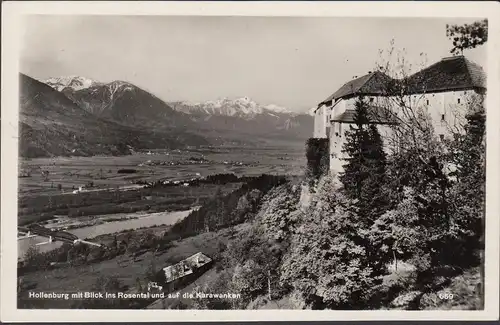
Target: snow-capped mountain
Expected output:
[247,116]
[129,105]
[73,82]
[51,124]
[242,107]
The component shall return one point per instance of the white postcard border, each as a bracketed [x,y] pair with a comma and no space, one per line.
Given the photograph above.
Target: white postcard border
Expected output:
[11,28]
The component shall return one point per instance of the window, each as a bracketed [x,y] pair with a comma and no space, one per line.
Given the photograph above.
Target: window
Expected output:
[371,100]
[442,117]
[458,100]
[441,136]
[427,102]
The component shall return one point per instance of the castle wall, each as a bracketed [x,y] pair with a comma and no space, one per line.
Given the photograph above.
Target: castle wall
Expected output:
[446,110]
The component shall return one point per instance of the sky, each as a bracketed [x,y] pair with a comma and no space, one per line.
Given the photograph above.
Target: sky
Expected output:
[294,62]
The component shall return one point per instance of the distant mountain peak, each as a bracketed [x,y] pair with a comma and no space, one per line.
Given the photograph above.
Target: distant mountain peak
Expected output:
[239,107]
[73,82]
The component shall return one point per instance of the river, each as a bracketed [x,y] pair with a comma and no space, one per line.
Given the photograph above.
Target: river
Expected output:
[148,220]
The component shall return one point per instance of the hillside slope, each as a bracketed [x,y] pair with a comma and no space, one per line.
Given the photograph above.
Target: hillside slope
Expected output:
[128,104]
[222,121]
[50,124]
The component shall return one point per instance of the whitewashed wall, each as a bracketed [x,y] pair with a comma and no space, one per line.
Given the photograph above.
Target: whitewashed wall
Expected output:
[447,111]
[320,120]
[338,138]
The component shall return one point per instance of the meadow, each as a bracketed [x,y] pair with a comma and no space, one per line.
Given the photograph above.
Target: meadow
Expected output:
[47,185]
[51,176]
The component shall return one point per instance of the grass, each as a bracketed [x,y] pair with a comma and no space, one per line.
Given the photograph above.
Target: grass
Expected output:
[103,170]
[42,207]
[82,278]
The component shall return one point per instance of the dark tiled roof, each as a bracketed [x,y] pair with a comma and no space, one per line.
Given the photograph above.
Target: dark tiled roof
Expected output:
[376,115]
[374,83]
[454,73]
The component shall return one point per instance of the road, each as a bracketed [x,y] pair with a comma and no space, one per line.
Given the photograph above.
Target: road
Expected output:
[121,188]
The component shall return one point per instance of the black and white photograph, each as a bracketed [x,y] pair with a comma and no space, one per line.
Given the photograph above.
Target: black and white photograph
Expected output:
[252,162]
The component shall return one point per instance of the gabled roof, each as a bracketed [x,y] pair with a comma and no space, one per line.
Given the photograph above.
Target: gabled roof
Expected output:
[376,115]
[186,266]
[449,74]
[452,73]
[374,83]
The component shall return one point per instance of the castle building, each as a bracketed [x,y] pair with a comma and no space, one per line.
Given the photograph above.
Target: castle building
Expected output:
[443,90]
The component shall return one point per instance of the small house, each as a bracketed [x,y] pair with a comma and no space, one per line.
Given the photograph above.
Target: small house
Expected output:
[187,270]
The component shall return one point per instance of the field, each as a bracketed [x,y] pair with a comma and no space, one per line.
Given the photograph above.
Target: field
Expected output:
[115,184]
[50,176]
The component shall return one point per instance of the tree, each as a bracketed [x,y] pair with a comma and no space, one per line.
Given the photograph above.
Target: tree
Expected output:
[34,259]
[155,275]
[279,212]
[468,192]
[364,172]
[106,285]
[467,36]
[327,259]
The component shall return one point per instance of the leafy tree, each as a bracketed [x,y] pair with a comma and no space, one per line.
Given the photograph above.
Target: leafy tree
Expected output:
[327,260]
[34,259]
[154,274]
[364,172]
[106,285]
[279,212]
[467,36]
[467,202]
[249,279]
[318,158]
[398,234]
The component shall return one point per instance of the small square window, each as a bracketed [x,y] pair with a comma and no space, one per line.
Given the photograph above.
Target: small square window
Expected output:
[441,136]
[371,100]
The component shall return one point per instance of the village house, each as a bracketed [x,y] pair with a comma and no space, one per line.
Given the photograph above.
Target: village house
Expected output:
[187,270]
[443,90]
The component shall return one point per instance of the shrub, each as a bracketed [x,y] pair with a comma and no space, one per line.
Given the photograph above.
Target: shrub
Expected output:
[318,157]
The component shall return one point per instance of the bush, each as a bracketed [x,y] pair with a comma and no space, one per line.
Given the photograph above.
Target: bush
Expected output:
[327,259]
[318,157]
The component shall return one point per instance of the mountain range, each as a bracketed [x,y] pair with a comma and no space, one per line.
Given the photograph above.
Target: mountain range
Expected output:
[79,116]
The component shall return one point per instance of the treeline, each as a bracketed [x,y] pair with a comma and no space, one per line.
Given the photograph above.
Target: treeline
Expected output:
[226,210]
[39,208]
[157,198]
[216,179]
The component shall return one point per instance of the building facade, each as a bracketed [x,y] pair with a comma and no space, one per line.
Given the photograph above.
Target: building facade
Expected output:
[444,91]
